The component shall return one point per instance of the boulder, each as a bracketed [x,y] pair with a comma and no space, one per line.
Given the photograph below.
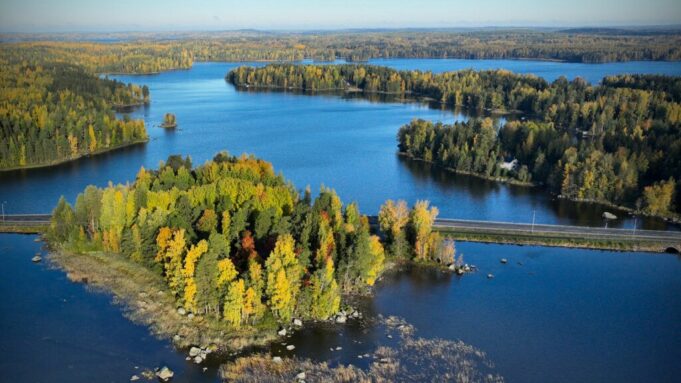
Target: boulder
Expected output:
[297,322]
[181,311]
[37,259]
[459,271]
[341,319]
[198,359]
[190,316]
[301,376]
[290,347]
[176,338]
[282,332]
[504,260]
[277,359]
[452,267]
[165,374]
[609,215]
[194,351]
[490,276]
[134,378]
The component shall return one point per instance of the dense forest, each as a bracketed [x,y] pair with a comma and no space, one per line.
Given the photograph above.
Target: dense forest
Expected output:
[619,142]
[53,112]
[152,52]
[134,57]
[237,243]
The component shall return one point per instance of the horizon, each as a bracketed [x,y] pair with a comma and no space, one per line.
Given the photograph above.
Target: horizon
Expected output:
[80,16]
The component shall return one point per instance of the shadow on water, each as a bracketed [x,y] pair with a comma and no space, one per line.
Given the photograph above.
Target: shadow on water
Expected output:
[569,212]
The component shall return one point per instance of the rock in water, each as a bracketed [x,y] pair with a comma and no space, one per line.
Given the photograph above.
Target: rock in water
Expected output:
[165,374]
[194,351]
[290,347]
[37,259]
[608,215]
[341,319]
[134,378]
[282,332]
[297,322]
[504,260]
[490,276]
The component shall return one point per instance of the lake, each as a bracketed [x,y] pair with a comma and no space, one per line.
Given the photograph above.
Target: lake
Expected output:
[560,315]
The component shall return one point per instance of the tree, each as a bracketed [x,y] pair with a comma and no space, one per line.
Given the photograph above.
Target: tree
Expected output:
[190,261]
[392,219]
[421,222]
[171,246]
[283,278]
[325,294]
[659,197]
[234,303]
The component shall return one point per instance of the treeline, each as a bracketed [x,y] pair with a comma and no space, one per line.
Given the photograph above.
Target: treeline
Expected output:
[148,53]
[604,143]
[128,57]
[232,240]
[55,112]
[641,176]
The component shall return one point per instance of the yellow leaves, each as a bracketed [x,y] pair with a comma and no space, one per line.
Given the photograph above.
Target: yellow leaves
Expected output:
[226,272]
[234,303]
[73,144]
[422,219]
[171,246]
[393,217]
[377,254]
[92,137]
[193,255]
[283,276]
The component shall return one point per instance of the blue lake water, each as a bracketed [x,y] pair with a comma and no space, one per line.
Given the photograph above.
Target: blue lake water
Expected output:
[563,315]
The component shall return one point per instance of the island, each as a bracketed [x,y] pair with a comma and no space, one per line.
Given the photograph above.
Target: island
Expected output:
[227,253]
[169,121]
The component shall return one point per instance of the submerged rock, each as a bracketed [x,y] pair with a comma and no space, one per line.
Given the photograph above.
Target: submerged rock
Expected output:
[37,258]
[165,374]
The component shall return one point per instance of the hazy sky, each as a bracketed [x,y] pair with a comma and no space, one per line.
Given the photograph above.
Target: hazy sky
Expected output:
[164,15]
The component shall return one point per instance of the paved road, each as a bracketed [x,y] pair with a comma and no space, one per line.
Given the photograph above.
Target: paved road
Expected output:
[26,219]
[481,227]
[582,231]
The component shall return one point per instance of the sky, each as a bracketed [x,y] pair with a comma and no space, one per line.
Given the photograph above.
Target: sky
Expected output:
[177,15]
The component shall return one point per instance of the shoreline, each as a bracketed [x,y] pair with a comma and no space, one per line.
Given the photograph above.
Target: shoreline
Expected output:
[63,161]
[146,300]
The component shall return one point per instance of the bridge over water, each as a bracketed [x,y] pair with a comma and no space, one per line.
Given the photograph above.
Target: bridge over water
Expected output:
[482,231]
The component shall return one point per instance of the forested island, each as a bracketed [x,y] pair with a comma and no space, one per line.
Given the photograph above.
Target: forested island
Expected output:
[234,245]
[53,112]
[615,143]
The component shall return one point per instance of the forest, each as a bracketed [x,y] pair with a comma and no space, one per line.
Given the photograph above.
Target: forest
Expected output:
[237,243]
[53,112]
[152,52]
[614,143]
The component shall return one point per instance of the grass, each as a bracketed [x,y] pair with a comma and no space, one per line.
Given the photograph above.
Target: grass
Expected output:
[23,229]
[414,359]
[147,300]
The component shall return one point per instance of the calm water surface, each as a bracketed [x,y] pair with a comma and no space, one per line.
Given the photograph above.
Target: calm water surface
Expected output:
[563,315]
